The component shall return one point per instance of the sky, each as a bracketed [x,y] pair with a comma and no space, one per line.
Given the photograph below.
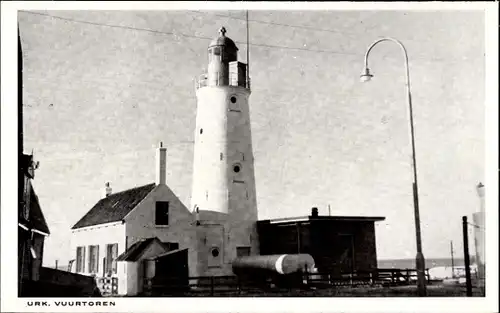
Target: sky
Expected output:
[102,88]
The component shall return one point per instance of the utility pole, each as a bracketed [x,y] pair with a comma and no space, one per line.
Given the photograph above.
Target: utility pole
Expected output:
[366,76]
[466,256]
[452,261]
[329,212]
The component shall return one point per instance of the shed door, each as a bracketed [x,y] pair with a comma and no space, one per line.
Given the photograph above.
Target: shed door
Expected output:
[173,266]
[345,253]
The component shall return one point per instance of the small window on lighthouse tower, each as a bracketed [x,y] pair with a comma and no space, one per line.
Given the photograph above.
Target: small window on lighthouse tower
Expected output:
[236,168]
[233,104]
[215,252]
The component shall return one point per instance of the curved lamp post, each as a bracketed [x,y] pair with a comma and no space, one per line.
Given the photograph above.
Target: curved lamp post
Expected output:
[366,76]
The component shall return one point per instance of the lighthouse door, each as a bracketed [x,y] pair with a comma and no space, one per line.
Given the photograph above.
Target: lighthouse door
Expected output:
[214,245]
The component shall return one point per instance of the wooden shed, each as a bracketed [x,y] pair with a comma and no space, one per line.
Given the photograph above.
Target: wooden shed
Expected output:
[167,273]
[338,244]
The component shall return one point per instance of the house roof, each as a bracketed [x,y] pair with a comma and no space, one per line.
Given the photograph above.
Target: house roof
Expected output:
[36,218]
[134,252]
[114,207]
[26,165]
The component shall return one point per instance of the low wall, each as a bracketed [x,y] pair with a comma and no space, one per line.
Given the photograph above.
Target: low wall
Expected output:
[57,283]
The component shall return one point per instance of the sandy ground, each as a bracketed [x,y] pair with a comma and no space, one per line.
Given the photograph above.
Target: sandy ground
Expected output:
[435,290]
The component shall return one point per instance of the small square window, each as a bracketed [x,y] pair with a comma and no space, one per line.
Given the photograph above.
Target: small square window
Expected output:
[161,213]
[242,251]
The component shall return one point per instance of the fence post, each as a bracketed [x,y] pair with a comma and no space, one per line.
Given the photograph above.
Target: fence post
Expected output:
[307,278]
[211,285]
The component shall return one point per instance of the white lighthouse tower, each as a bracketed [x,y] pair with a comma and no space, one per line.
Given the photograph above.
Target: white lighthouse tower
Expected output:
[223,192]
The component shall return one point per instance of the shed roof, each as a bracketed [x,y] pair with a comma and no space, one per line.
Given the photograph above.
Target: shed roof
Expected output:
[167,253]
[114,207]
[135,251]
[298,219]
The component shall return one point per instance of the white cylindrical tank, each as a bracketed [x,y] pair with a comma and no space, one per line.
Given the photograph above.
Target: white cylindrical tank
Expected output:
[279,263]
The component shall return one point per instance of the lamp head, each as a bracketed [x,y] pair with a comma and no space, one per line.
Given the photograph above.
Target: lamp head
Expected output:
[365,75]
[480,189]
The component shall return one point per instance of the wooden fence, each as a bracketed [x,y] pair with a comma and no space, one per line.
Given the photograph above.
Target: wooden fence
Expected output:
[107,285]
[235,285]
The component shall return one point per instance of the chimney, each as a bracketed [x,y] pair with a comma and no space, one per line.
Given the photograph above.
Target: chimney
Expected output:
[197,215]
[107,190]
[161,165]
[314,212]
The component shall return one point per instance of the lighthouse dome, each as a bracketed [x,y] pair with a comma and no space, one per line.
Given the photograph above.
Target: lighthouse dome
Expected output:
[224,41]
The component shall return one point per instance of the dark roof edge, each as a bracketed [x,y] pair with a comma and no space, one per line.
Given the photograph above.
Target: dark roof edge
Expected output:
[133,188]
[94,225]
[324,218]
[118,220]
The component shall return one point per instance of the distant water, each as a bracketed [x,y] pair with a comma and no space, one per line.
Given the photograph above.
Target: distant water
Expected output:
[429,263]
[389,263]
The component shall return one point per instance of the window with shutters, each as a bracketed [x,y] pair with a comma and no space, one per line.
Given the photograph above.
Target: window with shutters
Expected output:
[80,259]
[93,259]
[161,213]
[111,255]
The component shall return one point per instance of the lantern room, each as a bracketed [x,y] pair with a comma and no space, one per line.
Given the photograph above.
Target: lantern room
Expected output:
[223,66]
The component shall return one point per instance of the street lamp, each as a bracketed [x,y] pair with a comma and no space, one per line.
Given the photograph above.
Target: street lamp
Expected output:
[367,76]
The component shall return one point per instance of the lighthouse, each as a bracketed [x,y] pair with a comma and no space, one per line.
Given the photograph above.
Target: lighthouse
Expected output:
[223,197]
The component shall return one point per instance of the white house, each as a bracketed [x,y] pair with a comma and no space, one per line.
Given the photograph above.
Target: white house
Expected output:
[119,221]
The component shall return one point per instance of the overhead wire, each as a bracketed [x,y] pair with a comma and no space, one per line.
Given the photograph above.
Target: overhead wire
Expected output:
[72,155]
[475,226]
[262,45]
[71,20]
[175,34]
[183,35]
[279,24]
